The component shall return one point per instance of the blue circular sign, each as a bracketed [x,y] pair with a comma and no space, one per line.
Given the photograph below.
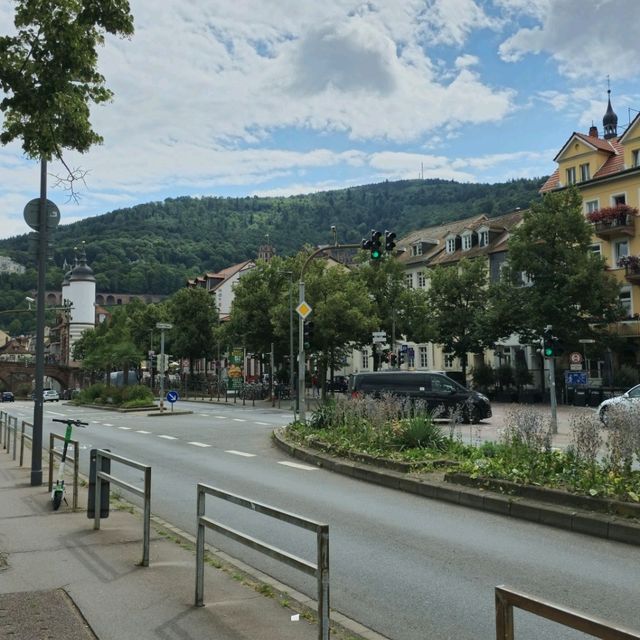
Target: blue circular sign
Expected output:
[172,396]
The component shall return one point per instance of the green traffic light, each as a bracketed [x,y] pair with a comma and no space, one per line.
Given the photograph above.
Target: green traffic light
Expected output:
[548,352]
[375,254]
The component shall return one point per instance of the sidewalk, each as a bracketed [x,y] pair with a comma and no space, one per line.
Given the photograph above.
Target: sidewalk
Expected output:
[62,580]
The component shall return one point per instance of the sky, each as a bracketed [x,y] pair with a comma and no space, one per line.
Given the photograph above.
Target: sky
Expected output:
[282,97]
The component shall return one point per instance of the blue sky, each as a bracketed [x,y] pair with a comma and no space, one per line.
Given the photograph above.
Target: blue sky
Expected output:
[279,97]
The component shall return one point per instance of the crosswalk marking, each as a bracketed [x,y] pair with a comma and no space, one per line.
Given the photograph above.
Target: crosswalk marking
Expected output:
[199,444]
[108,424]
[241,453]
[141,431]
[204,415]
[168,437]
[221,417]
[296,465]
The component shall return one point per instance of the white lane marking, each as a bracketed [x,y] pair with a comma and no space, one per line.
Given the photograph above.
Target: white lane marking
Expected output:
[108,424]
[95,421]
[140,431]
[266,424]
[204,415]
[55,413]
[238,420]
[241,453]
[295,465]
[168,437]
[199,444]
[221,417]
[123,428]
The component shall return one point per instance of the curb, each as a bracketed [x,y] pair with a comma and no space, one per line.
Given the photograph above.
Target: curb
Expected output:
[569,518]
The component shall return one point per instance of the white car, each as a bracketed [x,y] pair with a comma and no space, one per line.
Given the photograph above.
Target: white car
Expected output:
[50,395]
[629,398]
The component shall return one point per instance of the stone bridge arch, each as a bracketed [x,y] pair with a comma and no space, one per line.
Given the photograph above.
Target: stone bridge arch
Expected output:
[13,374]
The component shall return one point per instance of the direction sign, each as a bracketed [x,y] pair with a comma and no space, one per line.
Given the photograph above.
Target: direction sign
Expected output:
[576,378]
[172,396]
[303,309]
[32,214]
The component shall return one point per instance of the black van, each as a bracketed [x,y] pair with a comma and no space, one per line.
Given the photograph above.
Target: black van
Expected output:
[435,389]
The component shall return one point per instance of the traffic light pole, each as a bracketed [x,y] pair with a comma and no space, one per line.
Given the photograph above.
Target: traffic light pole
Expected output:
[552,394]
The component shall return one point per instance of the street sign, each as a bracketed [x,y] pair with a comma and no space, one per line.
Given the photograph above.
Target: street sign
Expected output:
[575,358]
[32,214]
[379,337]
[164,325]
[172,396]
[576,378]
[404,347]
[575,367]
[303,309]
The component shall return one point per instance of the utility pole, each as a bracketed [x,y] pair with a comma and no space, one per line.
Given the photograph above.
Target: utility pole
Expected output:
[161,368]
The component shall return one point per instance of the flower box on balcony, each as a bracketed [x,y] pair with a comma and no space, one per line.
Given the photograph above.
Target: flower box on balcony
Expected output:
[619,215]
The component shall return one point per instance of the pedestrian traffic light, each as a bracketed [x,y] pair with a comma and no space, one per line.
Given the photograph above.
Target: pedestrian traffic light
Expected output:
[389,241]
[548,344]
[392,359]
[308,333]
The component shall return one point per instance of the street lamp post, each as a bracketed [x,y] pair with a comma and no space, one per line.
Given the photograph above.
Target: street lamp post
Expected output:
[162,326]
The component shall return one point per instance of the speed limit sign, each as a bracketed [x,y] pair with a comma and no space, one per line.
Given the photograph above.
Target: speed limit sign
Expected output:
[575,358]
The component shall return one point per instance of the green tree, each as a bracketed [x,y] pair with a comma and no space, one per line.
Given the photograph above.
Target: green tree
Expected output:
[194,317]
[568,286]
[463,316]
[48,72]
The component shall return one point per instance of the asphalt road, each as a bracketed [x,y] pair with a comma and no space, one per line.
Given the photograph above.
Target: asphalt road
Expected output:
[408,567]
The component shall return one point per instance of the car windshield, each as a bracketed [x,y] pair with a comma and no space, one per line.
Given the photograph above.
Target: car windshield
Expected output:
[635,392]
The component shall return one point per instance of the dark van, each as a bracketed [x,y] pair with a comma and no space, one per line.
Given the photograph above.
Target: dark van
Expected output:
[435,389]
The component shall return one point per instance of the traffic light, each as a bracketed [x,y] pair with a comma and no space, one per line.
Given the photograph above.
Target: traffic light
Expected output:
[389,241]
[401,356]
[376,245]
[392,359]
[548,344]
[308,333]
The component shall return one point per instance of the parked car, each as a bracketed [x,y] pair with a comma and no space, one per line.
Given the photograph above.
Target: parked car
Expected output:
[339,384]
[435,389]
[629,398]
[7,396]
[50,395]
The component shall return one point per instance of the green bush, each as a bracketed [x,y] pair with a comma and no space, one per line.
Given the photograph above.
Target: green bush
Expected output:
[100,393]
[420,432]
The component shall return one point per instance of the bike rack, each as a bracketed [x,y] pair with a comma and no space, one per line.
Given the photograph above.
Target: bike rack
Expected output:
[76,463]
[508,598]
[145,493]
[320,570]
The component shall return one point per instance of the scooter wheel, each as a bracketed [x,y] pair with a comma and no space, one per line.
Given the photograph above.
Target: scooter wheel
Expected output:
[57,499]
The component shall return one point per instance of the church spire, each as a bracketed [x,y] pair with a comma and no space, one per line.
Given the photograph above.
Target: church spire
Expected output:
[610,120]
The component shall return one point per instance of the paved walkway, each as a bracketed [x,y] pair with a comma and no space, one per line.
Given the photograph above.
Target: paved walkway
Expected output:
[62,580]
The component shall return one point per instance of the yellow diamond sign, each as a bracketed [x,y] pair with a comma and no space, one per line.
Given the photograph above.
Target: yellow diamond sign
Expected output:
[303,309]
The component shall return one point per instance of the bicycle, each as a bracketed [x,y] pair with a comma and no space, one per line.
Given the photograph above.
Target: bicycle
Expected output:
[57,495]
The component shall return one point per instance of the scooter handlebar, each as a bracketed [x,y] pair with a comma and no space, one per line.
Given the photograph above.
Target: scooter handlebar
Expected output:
[75,423]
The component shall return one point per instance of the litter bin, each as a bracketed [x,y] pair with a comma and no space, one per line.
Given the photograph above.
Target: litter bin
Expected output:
[580,398]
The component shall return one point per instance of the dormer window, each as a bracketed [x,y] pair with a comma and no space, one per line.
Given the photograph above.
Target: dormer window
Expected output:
[483,237]
[467,241]
[416,249]
[451,244]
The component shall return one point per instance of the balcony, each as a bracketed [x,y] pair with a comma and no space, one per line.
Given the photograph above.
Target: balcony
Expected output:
[631,266]
[612,222]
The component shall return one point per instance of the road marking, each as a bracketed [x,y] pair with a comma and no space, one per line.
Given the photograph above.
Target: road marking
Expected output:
[140,431]
[204,415]
[238,420]
[55,413]
[199,444]
[266,424]
[241,453]
[108,424]
[168,437]
[123,428]
[221,417]
[295,465]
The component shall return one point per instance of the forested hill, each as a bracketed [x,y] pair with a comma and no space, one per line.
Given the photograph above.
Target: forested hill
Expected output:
[153,247]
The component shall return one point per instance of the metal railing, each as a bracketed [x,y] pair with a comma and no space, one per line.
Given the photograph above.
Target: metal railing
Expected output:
[10,424]
[320,570]
[76,464]
[145,493]
[508,598]
[23,437]
[3,419]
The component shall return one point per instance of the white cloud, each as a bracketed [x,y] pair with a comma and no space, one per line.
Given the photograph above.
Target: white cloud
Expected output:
[586,39]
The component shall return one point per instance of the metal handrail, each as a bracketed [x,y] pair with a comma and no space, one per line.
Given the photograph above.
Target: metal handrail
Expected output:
[320,570]
[145,493]
[3,417]
[508,598]
[76,463]
[23,437]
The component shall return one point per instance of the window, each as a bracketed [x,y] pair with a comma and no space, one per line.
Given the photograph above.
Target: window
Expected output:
[620,250]
[448,360]
[483,237]
[619,199]
[424,360]
[625,300]
[635,158]
[596,248]
[467,241]
[591,206]
[408,280]
[422,280]
[571,175]
[365,359]
[451,245]
[416,249]
[584,172]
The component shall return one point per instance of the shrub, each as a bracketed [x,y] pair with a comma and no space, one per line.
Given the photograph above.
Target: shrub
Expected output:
[420,432]
[483,376]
